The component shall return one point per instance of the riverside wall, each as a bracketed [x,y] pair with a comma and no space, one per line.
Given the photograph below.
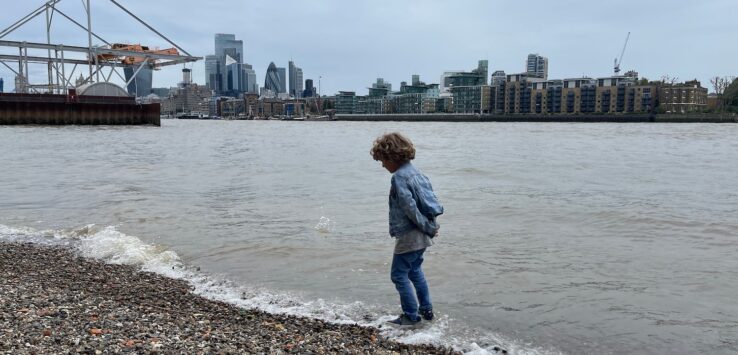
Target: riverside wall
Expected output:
[40,109]
[684,118]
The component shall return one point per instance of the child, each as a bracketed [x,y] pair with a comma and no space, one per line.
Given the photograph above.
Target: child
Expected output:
[413,208]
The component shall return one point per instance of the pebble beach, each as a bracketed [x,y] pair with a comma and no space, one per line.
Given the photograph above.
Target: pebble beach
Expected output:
[54,301]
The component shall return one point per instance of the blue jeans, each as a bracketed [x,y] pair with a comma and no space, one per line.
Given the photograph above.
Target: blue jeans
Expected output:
[406,269]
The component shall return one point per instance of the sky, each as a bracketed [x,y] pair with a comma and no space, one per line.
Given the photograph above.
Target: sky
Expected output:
[350,43]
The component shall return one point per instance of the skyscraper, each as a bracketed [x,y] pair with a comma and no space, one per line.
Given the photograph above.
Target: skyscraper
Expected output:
[282,80]
[295,80]
[228,44]
[212,81]
[228,50]
[140,86]
[537,66]
[309,89]
[252,86]
[272,81]
[235,79]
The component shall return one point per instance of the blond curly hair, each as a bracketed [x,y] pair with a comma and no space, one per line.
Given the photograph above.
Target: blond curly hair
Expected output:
[393,147]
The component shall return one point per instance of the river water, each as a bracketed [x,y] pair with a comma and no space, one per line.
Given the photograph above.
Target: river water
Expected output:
[571,238]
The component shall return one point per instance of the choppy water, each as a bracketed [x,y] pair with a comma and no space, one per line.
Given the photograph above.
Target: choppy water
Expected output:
[573,238]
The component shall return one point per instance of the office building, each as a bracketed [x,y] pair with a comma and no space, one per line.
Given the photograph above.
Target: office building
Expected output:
[212,79]
[295,80]
[380,88]
[252,86]
[220,74]
[226,45]
[272,81]
[140,86]
[446,81]
[186,99]
[418,87]
[346,102]
[537,66]
[282,73]
[235,79]
[497,77]
[472,99]
[310,90]
[483,69]
[475,77]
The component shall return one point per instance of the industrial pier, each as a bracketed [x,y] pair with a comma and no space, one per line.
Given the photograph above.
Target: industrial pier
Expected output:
[81,87]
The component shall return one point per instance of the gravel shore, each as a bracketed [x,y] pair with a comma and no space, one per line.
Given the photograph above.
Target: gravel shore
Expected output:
[52,301]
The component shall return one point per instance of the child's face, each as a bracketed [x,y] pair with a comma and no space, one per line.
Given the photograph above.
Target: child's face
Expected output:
[391,166]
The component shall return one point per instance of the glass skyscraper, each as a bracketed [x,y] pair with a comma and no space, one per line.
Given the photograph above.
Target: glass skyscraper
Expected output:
[272,81]
[140,86]
[219,76]
[295,80]
[212,81]
[282,80]
[251,85]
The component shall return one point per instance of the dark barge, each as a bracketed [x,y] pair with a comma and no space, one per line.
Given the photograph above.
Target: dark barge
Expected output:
[74,109]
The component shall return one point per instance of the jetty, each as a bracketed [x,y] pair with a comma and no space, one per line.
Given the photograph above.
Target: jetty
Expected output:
[82,82]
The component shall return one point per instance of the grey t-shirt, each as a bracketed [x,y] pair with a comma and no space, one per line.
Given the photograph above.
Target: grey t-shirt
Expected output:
[412,241]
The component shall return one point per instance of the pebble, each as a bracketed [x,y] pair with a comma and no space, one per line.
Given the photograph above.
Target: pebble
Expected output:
[53,301]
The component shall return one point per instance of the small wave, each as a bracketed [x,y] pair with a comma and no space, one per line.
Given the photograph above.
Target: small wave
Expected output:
[112,246]
[325,225]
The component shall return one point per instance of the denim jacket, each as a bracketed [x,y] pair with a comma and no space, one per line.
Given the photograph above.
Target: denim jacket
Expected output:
[412,202]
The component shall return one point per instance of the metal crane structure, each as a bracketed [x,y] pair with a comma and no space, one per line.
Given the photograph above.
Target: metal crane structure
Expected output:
[101,60]
[618,61]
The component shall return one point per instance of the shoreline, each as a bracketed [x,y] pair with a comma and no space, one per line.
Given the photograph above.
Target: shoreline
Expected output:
[52,300]
[545,118]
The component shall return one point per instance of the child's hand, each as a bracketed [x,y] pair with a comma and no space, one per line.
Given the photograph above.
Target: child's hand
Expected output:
[436,233]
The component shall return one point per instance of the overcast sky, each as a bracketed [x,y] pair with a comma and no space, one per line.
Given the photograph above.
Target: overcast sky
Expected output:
[352,42]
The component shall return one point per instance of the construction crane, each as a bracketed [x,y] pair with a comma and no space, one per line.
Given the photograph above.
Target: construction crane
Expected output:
[620,60]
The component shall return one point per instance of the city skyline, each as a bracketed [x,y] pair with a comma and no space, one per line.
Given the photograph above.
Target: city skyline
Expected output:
[340,52]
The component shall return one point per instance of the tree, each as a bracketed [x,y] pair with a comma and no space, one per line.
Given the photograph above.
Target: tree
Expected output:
[731,96]
[720,84]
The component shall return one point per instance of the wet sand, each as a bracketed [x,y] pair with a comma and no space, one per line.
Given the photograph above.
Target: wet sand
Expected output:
[52,301]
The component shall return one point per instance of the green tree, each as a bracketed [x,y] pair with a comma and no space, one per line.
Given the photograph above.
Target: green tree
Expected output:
[731,96]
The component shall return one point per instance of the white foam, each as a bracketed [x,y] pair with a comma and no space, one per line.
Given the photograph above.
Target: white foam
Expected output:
[325,225]
[112,246]
[115,247]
